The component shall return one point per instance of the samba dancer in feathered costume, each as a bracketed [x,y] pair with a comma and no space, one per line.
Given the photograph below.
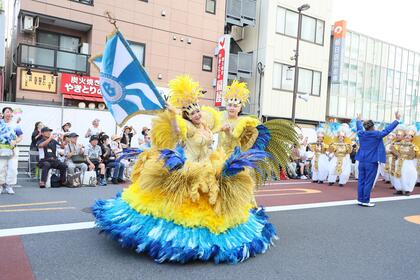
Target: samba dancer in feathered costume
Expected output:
[320,162]
[188,202]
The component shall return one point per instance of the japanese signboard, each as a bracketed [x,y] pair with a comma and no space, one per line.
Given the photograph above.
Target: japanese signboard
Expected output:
[80,85]
[38,81]
[223,47]
[340,28]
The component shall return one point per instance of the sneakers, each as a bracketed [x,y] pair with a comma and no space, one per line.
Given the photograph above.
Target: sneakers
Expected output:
[8,189]
[102,182]
[359,203]
[303,177]
[370,204]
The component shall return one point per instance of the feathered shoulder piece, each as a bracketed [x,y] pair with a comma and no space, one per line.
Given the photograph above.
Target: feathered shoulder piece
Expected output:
[243,123]
[212,118]
[163,134]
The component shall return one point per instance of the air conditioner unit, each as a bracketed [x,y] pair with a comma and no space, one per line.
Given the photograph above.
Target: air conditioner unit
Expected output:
[84,49]
[28,24]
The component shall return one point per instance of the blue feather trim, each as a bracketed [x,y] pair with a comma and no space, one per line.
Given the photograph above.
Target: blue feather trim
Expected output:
[129,153]
[174,159]
[167,241]
[239,160]
[263,138]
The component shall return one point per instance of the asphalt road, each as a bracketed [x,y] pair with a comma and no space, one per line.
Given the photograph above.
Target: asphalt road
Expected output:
[340,242]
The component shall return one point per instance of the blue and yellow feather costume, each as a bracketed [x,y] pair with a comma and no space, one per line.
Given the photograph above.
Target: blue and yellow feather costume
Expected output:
[180,210]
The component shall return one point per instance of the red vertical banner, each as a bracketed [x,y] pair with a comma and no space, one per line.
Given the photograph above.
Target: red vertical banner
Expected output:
[223,46]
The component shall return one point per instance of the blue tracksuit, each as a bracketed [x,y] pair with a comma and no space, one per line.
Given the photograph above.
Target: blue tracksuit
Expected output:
[371,152]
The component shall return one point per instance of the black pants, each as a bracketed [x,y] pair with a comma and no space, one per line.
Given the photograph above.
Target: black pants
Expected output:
[47,164]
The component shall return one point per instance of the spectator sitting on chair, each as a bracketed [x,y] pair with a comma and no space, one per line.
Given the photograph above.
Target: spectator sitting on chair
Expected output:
[93,153]
[47,147]
[109,158]
[75,155]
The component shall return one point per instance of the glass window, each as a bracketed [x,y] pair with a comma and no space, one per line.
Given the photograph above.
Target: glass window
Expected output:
[277,76]
[211,6]
[347,44]
[281,20]
[370,52]
[398,55]
[305,81]
[49,40]
[70,44]
[410,62]
[391,57]
[377,56]
[354,46]
[362,48]
[316,85]
[87,2]
[385,48]
[308,28]
[207,64]
[138,50]
[333,104]
[319,32]
[404,63]
[287,84]
[292,19]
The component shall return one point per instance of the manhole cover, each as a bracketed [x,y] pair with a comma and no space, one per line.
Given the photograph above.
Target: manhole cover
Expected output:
[87,210]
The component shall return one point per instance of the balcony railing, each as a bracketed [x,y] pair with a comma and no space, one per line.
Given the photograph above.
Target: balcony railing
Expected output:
[240,65]
[52,59]
[241,12]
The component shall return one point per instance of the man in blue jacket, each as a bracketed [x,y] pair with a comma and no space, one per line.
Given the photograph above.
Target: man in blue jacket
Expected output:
[371,152]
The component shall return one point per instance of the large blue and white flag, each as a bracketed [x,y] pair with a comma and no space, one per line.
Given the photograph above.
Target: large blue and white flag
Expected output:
[126,88]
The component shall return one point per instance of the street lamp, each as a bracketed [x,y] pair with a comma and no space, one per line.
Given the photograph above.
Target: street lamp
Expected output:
[300,9]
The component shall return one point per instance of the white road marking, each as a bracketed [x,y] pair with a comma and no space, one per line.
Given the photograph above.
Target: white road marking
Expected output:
[89,225]
[45,229]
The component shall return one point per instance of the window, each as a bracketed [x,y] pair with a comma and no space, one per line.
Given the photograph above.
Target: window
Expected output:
[207,63]
[58,41]
[139,51]
[211,6]
[312,28]
[87,2]
[309,80]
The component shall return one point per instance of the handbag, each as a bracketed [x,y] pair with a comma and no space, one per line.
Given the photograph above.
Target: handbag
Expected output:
[55,181]
[74,180]
[89,179]
[77,158]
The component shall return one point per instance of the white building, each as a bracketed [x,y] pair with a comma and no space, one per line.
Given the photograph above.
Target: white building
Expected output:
[272,42]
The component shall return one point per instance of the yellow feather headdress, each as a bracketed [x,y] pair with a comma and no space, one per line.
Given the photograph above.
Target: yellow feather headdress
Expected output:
[237,93]
[184,93]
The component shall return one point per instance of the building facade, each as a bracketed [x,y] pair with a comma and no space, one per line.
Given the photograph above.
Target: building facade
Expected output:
[372,77]
[52,42]
[272,42]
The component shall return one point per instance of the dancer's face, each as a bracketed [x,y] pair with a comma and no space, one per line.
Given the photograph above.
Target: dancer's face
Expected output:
[399,137]
[320,139]
[341,138]
[196,117]
[408,137]
[233,110]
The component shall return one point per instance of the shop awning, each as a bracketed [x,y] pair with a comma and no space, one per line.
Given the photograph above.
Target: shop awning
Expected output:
[84,98]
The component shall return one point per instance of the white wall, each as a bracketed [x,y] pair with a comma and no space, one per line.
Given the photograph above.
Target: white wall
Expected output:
[273,47]
[81,120]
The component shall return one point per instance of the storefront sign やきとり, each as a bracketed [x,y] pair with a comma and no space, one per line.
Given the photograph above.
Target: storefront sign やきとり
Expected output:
[38,81]
[80,85]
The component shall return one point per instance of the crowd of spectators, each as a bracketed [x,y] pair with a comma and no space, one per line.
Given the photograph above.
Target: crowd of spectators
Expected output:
[61,150]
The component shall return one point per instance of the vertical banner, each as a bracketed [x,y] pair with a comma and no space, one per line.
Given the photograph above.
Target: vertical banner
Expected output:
[339,31]
[223,49]
[2,37]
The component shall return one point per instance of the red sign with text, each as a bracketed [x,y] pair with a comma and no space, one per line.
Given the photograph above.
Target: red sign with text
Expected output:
[222,64]
[80,85]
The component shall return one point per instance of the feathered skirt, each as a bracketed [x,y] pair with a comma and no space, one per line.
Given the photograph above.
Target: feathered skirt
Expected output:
[147,220]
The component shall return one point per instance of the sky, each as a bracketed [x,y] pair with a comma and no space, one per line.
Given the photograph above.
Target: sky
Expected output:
[396,22]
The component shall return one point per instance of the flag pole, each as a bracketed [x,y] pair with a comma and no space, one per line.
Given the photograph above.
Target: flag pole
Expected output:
[111,19]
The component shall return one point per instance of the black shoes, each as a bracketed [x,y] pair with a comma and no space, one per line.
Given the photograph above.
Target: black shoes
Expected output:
[330,184]
[341,185]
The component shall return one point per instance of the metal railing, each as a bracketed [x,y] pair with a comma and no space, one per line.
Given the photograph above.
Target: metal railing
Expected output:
[241,12]
[52,59]
[240,65]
